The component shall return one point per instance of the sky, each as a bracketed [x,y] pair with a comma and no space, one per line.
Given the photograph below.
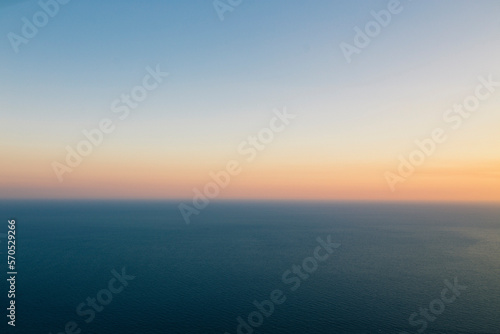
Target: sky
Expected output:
[352,119]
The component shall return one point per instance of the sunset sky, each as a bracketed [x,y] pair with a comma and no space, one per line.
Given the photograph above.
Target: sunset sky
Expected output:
[228,79]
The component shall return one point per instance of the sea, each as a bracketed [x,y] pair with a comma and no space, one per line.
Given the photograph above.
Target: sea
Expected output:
[123,267]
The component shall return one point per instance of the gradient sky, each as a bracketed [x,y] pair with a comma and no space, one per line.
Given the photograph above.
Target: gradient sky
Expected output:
[226,78]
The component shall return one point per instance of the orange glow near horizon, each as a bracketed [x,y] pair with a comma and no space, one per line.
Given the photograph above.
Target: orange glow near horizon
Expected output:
[145,179]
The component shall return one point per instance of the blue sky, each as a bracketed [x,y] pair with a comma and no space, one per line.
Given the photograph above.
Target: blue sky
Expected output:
[272,50]
[227,76]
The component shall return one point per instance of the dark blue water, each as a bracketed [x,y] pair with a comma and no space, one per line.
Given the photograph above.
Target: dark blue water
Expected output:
[199,278]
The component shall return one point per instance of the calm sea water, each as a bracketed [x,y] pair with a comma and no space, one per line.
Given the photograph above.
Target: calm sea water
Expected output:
[200,278]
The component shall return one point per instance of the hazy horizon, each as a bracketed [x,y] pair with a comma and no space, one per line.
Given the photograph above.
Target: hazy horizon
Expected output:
[179,90]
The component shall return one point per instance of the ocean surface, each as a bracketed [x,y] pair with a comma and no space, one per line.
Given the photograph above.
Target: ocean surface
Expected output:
[390,262]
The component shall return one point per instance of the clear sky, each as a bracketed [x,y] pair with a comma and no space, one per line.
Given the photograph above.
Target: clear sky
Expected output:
[353,120]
